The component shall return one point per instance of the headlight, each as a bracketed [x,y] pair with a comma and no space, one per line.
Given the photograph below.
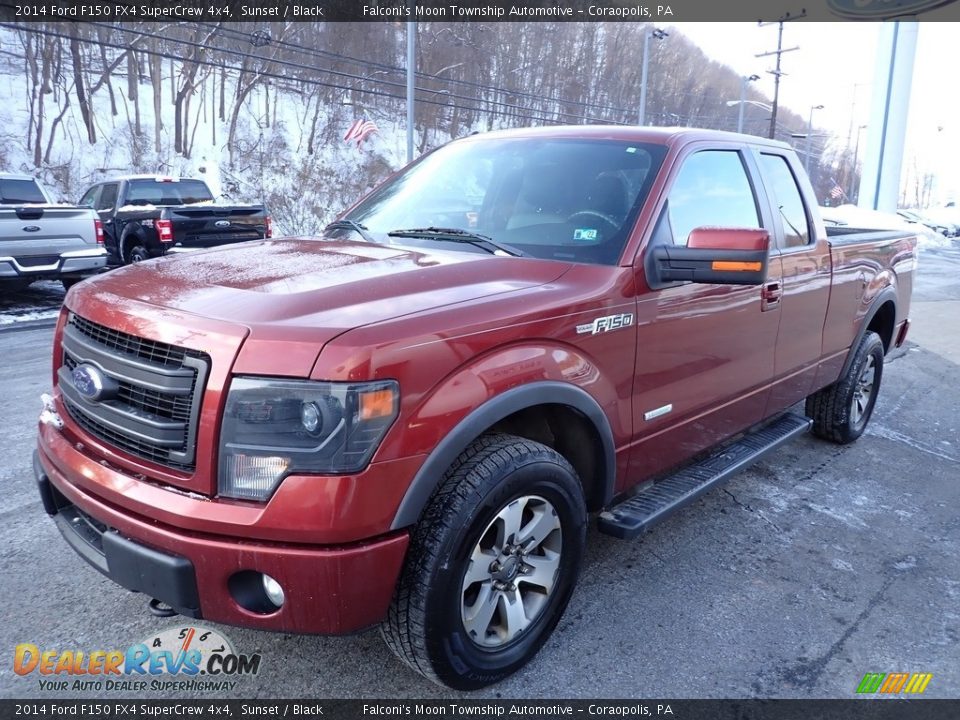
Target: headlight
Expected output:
[273,428]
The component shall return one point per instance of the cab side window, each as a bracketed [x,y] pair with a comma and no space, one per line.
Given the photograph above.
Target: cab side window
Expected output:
[89,196]
[711,190]
[786,196]
[108,197]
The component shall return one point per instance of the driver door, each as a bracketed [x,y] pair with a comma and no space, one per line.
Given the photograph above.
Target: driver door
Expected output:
[705,353]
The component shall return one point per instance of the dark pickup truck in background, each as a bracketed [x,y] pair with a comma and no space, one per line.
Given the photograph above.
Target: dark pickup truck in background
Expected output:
[407,421]
[148,216]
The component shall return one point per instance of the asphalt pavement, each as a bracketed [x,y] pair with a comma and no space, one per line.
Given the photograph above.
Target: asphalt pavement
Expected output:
[816,566]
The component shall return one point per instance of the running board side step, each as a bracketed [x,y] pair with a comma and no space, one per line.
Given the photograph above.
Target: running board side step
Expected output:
[660,500]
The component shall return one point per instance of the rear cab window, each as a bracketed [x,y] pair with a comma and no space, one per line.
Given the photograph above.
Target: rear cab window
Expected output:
[21,192]
[150,191]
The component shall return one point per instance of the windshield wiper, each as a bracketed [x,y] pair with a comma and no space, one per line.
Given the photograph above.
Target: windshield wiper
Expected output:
[346,224]
[457,235]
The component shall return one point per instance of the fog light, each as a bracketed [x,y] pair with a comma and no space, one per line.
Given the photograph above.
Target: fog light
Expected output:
[310,417]
[273,590]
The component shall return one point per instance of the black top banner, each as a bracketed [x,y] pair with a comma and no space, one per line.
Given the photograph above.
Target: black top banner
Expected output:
[474,10]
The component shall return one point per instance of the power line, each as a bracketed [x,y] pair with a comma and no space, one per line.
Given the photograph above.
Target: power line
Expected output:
[352,76]
[239,35]
[524,115]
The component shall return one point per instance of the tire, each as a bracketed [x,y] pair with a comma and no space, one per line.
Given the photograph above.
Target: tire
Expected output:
[841,411]
[69,282]
[136,252]
[436,623]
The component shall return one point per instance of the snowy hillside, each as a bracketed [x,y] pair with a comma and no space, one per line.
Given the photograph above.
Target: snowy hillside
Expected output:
[269,162]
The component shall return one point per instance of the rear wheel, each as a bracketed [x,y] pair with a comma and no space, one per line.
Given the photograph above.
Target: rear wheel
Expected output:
[137,253]
[491,565]
[841,411]
[134,250]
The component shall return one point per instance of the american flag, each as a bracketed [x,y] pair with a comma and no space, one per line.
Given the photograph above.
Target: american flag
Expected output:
[836,192]
[360,130]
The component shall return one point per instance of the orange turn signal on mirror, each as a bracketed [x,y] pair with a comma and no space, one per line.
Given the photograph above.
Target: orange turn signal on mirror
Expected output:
[376,404]
[727,266]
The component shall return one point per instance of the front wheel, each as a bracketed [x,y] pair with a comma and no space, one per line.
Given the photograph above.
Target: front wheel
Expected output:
[841,411]
[492,564]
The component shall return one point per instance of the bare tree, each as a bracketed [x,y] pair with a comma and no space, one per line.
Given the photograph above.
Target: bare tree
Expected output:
[79,86]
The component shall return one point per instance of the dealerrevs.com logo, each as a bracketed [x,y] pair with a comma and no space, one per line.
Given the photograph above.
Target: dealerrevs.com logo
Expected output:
[177,659]
[894,683]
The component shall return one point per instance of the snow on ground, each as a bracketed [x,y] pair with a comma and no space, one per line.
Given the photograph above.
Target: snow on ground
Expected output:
[41,301]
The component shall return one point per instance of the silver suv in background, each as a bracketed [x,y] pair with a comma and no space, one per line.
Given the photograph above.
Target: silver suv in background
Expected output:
[40,239]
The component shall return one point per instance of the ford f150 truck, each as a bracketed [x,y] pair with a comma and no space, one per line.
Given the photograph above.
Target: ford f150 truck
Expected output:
[146,216]
[408,421]
[40,240]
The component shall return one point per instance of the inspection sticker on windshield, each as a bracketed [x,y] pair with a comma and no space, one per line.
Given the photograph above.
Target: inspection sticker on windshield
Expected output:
[585,234]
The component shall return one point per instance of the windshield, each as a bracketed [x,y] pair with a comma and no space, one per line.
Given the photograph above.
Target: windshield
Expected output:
[169,192]
[571,200]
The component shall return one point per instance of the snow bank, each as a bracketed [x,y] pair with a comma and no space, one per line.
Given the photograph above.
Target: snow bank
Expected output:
[859,217]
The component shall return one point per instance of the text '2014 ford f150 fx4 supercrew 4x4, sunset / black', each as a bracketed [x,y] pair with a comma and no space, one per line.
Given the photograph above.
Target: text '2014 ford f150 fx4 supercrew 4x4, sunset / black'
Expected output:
[407,421]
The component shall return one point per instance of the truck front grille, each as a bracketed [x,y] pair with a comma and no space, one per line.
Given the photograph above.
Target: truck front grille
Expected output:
[154,411]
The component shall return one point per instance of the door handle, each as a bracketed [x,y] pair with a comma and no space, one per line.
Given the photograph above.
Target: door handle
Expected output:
[770,295]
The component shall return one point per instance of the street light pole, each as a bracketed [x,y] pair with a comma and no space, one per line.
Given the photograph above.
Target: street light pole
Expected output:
[806,161]
[656,34]
[411,72]
[743,98]
[853,171]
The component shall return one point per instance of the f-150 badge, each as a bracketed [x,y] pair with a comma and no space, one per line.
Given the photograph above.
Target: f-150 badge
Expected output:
[606,324]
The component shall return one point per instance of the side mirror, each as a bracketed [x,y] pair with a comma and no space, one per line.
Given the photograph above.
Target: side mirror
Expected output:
[718,256]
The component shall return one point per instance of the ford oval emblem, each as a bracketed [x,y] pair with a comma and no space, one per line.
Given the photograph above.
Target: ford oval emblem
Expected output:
[31,228]
[222,223]
[92,384]
[882,9]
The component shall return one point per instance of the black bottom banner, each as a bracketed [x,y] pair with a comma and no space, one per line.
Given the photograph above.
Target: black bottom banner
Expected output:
[854,709]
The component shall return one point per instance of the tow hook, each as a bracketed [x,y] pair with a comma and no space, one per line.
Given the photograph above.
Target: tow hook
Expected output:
[49,414]
[160,609]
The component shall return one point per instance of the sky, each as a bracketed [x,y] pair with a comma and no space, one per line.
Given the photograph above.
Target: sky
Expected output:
[834,67]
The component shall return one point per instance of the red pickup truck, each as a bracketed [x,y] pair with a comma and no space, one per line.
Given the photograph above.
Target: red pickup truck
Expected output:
[409,421]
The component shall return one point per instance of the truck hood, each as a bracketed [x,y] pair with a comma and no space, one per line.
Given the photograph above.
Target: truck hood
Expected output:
[305,292]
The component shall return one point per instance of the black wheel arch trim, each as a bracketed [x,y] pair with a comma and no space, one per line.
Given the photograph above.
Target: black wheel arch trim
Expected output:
[489,413]
[135,231]
[888,294]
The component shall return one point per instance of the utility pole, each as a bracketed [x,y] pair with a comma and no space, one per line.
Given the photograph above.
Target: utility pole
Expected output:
[777,72]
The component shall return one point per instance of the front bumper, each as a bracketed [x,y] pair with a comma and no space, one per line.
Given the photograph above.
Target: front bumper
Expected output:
[72,263]
[328,590]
